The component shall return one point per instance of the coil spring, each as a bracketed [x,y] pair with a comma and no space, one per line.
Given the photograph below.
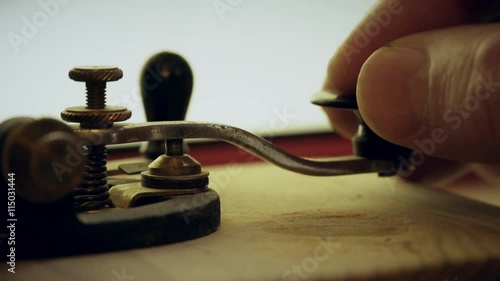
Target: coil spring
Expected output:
[93,192]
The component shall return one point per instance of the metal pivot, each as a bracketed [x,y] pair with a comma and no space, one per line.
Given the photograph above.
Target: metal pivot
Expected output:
[93,192]
[171,174]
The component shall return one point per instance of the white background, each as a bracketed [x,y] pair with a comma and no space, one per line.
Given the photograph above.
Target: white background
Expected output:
[260,58]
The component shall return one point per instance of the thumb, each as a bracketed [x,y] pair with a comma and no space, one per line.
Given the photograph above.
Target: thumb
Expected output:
[437,92]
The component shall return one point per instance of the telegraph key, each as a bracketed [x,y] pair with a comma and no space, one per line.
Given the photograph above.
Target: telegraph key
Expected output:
[168,200]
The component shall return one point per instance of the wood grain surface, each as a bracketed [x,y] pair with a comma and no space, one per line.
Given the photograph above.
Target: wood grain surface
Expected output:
[277,225]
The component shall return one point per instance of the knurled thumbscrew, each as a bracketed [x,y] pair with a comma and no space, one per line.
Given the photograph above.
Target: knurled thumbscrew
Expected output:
[95,78]
[93,192]
[96,114]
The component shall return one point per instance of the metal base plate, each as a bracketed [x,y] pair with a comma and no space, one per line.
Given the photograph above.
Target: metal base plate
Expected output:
[50,230]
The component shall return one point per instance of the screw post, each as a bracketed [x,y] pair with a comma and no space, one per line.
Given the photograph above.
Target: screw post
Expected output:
[174,147]
[96,94]
[93,192]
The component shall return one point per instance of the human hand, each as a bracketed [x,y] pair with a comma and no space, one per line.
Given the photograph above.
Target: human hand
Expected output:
[427,76]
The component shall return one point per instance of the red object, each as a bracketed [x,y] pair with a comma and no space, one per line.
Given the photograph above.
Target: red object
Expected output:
[319,145]
[214,153]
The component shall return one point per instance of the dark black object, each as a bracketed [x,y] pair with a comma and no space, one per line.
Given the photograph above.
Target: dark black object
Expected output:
[166,86]
[366,143]
[50,230]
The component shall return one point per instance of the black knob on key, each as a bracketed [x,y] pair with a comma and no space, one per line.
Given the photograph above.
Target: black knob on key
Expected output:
[366,143]
[166,86]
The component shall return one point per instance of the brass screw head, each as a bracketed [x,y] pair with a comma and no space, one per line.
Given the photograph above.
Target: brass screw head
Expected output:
[95,78]
[95,73]
[95,114]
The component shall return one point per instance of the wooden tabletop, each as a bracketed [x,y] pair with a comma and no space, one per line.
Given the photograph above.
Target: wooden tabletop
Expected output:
[277,225]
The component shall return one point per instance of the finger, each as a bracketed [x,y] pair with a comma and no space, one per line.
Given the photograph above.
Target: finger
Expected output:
[433,172]
[437,92]
[388,20]
[488,173]
[346,122]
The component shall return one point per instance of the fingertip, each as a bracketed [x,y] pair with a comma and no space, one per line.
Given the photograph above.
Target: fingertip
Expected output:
[344,122]
[391,93]
[433,171]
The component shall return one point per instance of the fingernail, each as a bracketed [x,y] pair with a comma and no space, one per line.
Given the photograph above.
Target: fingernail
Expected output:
[392,90]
